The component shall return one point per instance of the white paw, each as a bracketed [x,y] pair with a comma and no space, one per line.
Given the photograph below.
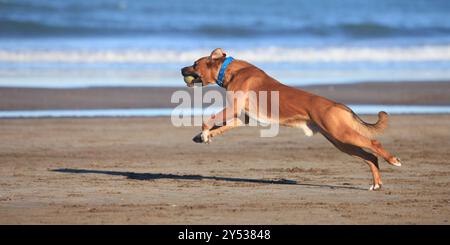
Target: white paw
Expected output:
[374,187]
[396,162]
[206,138]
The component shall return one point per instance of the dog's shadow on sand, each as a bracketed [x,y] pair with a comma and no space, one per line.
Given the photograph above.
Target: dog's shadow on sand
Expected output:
[156,176]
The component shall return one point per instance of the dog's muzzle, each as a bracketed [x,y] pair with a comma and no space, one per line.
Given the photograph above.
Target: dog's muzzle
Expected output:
[190,76]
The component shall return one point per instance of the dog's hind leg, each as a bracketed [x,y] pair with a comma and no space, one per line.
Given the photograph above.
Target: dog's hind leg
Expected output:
[339,125]
[358,152]
[340,130]
[354,138]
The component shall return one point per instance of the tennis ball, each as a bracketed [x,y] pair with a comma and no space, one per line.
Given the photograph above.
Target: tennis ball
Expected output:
[188,79]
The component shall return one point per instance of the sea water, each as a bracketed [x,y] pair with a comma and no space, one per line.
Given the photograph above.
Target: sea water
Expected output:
[157,112]
[82,43]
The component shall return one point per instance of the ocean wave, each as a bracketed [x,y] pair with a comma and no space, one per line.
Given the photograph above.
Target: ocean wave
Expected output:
[15,28]
[269,55]
[28,28]
[252,19]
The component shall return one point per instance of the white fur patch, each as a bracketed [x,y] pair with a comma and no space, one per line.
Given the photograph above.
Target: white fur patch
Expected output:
[397,162]
[307,130]
[205,136]
[374,187]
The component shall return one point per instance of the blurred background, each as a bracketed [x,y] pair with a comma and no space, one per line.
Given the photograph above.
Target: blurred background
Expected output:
[84,43]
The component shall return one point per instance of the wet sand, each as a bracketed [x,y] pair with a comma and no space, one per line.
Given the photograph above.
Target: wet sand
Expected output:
[145,171]
[423,93]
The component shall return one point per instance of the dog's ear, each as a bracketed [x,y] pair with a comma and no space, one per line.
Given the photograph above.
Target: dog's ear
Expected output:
[217,53]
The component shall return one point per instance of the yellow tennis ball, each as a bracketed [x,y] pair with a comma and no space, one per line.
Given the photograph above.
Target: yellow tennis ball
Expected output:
[188,79]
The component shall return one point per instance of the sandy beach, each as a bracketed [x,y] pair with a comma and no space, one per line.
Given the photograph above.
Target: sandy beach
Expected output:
[145,171]
[399,93]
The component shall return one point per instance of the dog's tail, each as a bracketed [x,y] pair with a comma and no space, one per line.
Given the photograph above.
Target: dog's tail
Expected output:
[368,130]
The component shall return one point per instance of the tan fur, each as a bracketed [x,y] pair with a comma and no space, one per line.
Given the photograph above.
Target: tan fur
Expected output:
[297,108]
[368,130]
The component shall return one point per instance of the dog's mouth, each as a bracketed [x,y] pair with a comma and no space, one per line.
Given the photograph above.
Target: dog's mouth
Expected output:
[192,79]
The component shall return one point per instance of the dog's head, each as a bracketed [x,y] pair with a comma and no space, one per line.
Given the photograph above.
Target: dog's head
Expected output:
[205,70]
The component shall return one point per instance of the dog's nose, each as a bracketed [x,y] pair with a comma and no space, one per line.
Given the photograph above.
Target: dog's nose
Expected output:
[184,70]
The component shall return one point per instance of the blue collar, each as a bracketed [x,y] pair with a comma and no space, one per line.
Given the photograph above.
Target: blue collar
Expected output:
[225,64]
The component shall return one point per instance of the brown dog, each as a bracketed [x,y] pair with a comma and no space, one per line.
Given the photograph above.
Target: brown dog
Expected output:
[297,108]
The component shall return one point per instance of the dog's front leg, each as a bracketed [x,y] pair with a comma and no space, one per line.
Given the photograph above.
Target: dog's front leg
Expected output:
[235,122]
[224,120]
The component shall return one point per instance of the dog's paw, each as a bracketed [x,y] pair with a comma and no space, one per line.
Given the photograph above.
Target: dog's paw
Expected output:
[375,187]
[202,137]
[197,138]
[395,161]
